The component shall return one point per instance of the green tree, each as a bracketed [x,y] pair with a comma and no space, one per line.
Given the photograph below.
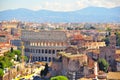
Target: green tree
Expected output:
[1,58]
[17,52]
[59,78]
[107,41]
[10,55]
[108,29]
[103,64]
[7,61]
[2,64]
[1,72]
[117,39]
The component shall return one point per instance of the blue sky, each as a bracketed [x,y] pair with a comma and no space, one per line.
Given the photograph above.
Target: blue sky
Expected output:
[56,5]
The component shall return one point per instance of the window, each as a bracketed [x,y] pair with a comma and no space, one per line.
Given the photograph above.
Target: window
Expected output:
[53,52]
[49,59]
[36,50]
[28,50]
[45,44]
[48,44]
[52,44]
[58,50]
[38,44]
[39,58]
[60,44]
[41,43]
[42,58]
[55,44]
[25,49]
[31,44]
[42,50]
[35,44]
[45,58]
[49,51]
[45,50]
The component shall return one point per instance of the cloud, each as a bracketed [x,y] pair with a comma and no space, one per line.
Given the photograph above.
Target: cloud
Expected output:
[70,5]
[57,5]
[99,3]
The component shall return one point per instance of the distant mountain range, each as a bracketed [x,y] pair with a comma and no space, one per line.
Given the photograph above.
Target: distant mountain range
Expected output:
[89,14]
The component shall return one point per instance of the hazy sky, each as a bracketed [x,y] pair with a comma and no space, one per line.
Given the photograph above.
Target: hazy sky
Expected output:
[56,5]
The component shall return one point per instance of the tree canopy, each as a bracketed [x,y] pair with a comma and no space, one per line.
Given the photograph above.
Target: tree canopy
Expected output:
[6,60]
[1,72]
[59,78]
[117,39]
[108,29]
[103,64]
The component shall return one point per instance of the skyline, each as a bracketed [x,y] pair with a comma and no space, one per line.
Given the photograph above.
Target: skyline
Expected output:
[56,5]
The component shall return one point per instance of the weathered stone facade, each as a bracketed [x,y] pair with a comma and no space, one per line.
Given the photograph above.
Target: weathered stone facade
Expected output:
[43,45]
[70,64]
[109,52]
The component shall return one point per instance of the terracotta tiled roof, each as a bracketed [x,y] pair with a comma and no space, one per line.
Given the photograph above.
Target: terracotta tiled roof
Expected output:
[78,37]
[90,63]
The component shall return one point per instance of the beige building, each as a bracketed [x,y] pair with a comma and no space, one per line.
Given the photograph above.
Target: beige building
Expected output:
[94,45]
[70,63]
[110,53]
[44,45]
[9,25]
